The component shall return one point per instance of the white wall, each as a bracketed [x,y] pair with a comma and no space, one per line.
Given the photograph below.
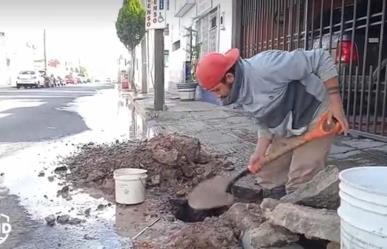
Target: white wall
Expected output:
[177,25]
[225,35]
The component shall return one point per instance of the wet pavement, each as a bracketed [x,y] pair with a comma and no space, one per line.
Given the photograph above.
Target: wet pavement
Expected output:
[107,117]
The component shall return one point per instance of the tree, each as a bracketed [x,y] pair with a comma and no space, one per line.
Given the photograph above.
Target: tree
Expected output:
[130,26]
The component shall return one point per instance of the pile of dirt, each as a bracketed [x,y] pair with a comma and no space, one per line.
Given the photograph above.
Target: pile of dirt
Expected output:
[175,164]
[218,234]
[212,233]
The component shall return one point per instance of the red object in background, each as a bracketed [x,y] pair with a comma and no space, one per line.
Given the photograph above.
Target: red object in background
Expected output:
[53,63]
[348,52]
[125,84]
[70,79]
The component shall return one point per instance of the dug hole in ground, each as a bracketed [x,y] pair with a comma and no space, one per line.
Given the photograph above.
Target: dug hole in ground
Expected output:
[175,164]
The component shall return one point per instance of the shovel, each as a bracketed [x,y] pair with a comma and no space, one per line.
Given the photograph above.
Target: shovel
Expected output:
[216,192]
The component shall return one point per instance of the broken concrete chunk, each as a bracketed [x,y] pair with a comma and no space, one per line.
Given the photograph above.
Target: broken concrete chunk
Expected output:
[181,193]
[50,178]
[75,221]
[41,174]
[321,192]
[187,170]
[170,218]
[89,237]
[269,204]
[333,245]
[63,219]
[244,215]
[268,236]
[87,212]
[228,166]
[313,223]
[167,157]
[50,220]
[101,207]
[60,169]
[173,148]
[64,192]
[154,180]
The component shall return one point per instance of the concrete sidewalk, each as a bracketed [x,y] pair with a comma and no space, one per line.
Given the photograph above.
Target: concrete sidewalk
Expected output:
[233,133]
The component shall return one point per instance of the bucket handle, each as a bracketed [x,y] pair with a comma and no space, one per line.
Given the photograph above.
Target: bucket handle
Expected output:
[143,181]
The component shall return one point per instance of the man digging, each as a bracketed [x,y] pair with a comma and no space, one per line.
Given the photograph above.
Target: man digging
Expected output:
[287,93]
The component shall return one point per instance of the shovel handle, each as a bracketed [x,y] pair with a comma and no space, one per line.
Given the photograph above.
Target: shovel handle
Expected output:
[283,150]
[327,126]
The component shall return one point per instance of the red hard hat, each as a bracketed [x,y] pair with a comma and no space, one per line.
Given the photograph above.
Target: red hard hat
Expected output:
[213,66]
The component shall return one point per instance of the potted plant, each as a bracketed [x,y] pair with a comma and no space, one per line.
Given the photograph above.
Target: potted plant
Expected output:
[187,88]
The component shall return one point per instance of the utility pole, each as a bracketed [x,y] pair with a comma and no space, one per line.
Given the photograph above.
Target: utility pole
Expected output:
[159,70]
[155,20]
[44,49]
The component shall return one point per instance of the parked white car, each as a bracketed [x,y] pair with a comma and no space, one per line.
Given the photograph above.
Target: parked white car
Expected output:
[81,78]
[29,78]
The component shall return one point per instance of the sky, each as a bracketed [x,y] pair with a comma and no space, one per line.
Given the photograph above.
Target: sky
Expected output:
[76,30]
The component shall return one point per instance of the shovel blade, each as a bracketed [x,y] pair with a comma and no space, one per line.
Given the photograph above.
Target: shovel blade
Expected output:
[211,193]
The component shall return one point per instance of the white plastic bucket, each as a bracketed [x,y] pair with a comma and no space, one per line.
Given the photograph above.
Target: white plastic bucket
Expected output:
[363,208]
[187,94]
[130,185]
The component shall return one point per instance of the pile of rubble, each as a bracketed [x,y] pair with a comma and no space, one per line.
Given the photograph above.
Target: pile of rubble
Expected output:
[306,218]
[175,164]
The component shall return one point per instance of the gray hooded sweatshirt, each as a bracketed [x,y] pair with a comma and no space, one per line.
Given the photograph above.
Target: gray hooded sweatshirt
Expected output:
[283,90]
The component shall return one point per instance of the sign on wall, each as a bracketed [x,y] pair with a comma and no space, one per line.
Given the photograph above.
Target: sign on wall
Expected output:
[202,6]
[155,14]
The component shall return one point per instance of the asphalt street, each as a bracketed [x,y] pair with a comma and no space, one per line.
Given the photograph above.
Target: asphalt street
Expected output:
[32,115]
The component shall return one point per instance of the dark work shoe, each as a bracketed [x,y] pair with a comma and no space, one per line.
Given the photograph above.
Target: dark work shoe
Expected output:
[275,193]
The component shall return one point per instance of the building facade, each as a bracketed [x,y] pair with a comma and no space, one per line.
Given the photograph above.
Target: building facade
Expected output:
[203,25]
[5,62]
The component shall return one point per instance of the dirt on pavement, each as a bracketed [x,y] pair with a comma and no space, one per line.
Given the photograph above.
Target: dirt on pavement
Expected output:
[175,164]
[212,233]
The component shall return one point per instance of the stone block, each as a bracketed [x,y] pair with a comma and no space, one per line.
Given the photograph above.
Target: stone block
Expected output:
[267,235]
[268,205]
[321,192]
[244,216]
[313,223]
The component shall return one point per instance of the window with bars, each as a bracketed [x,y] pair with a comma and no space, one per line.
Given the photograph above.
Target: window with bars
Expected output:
[208,30]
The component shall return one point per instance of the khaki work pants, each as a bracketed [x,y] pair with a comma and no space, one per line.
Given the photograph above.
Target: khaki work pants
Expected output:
[296,167]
